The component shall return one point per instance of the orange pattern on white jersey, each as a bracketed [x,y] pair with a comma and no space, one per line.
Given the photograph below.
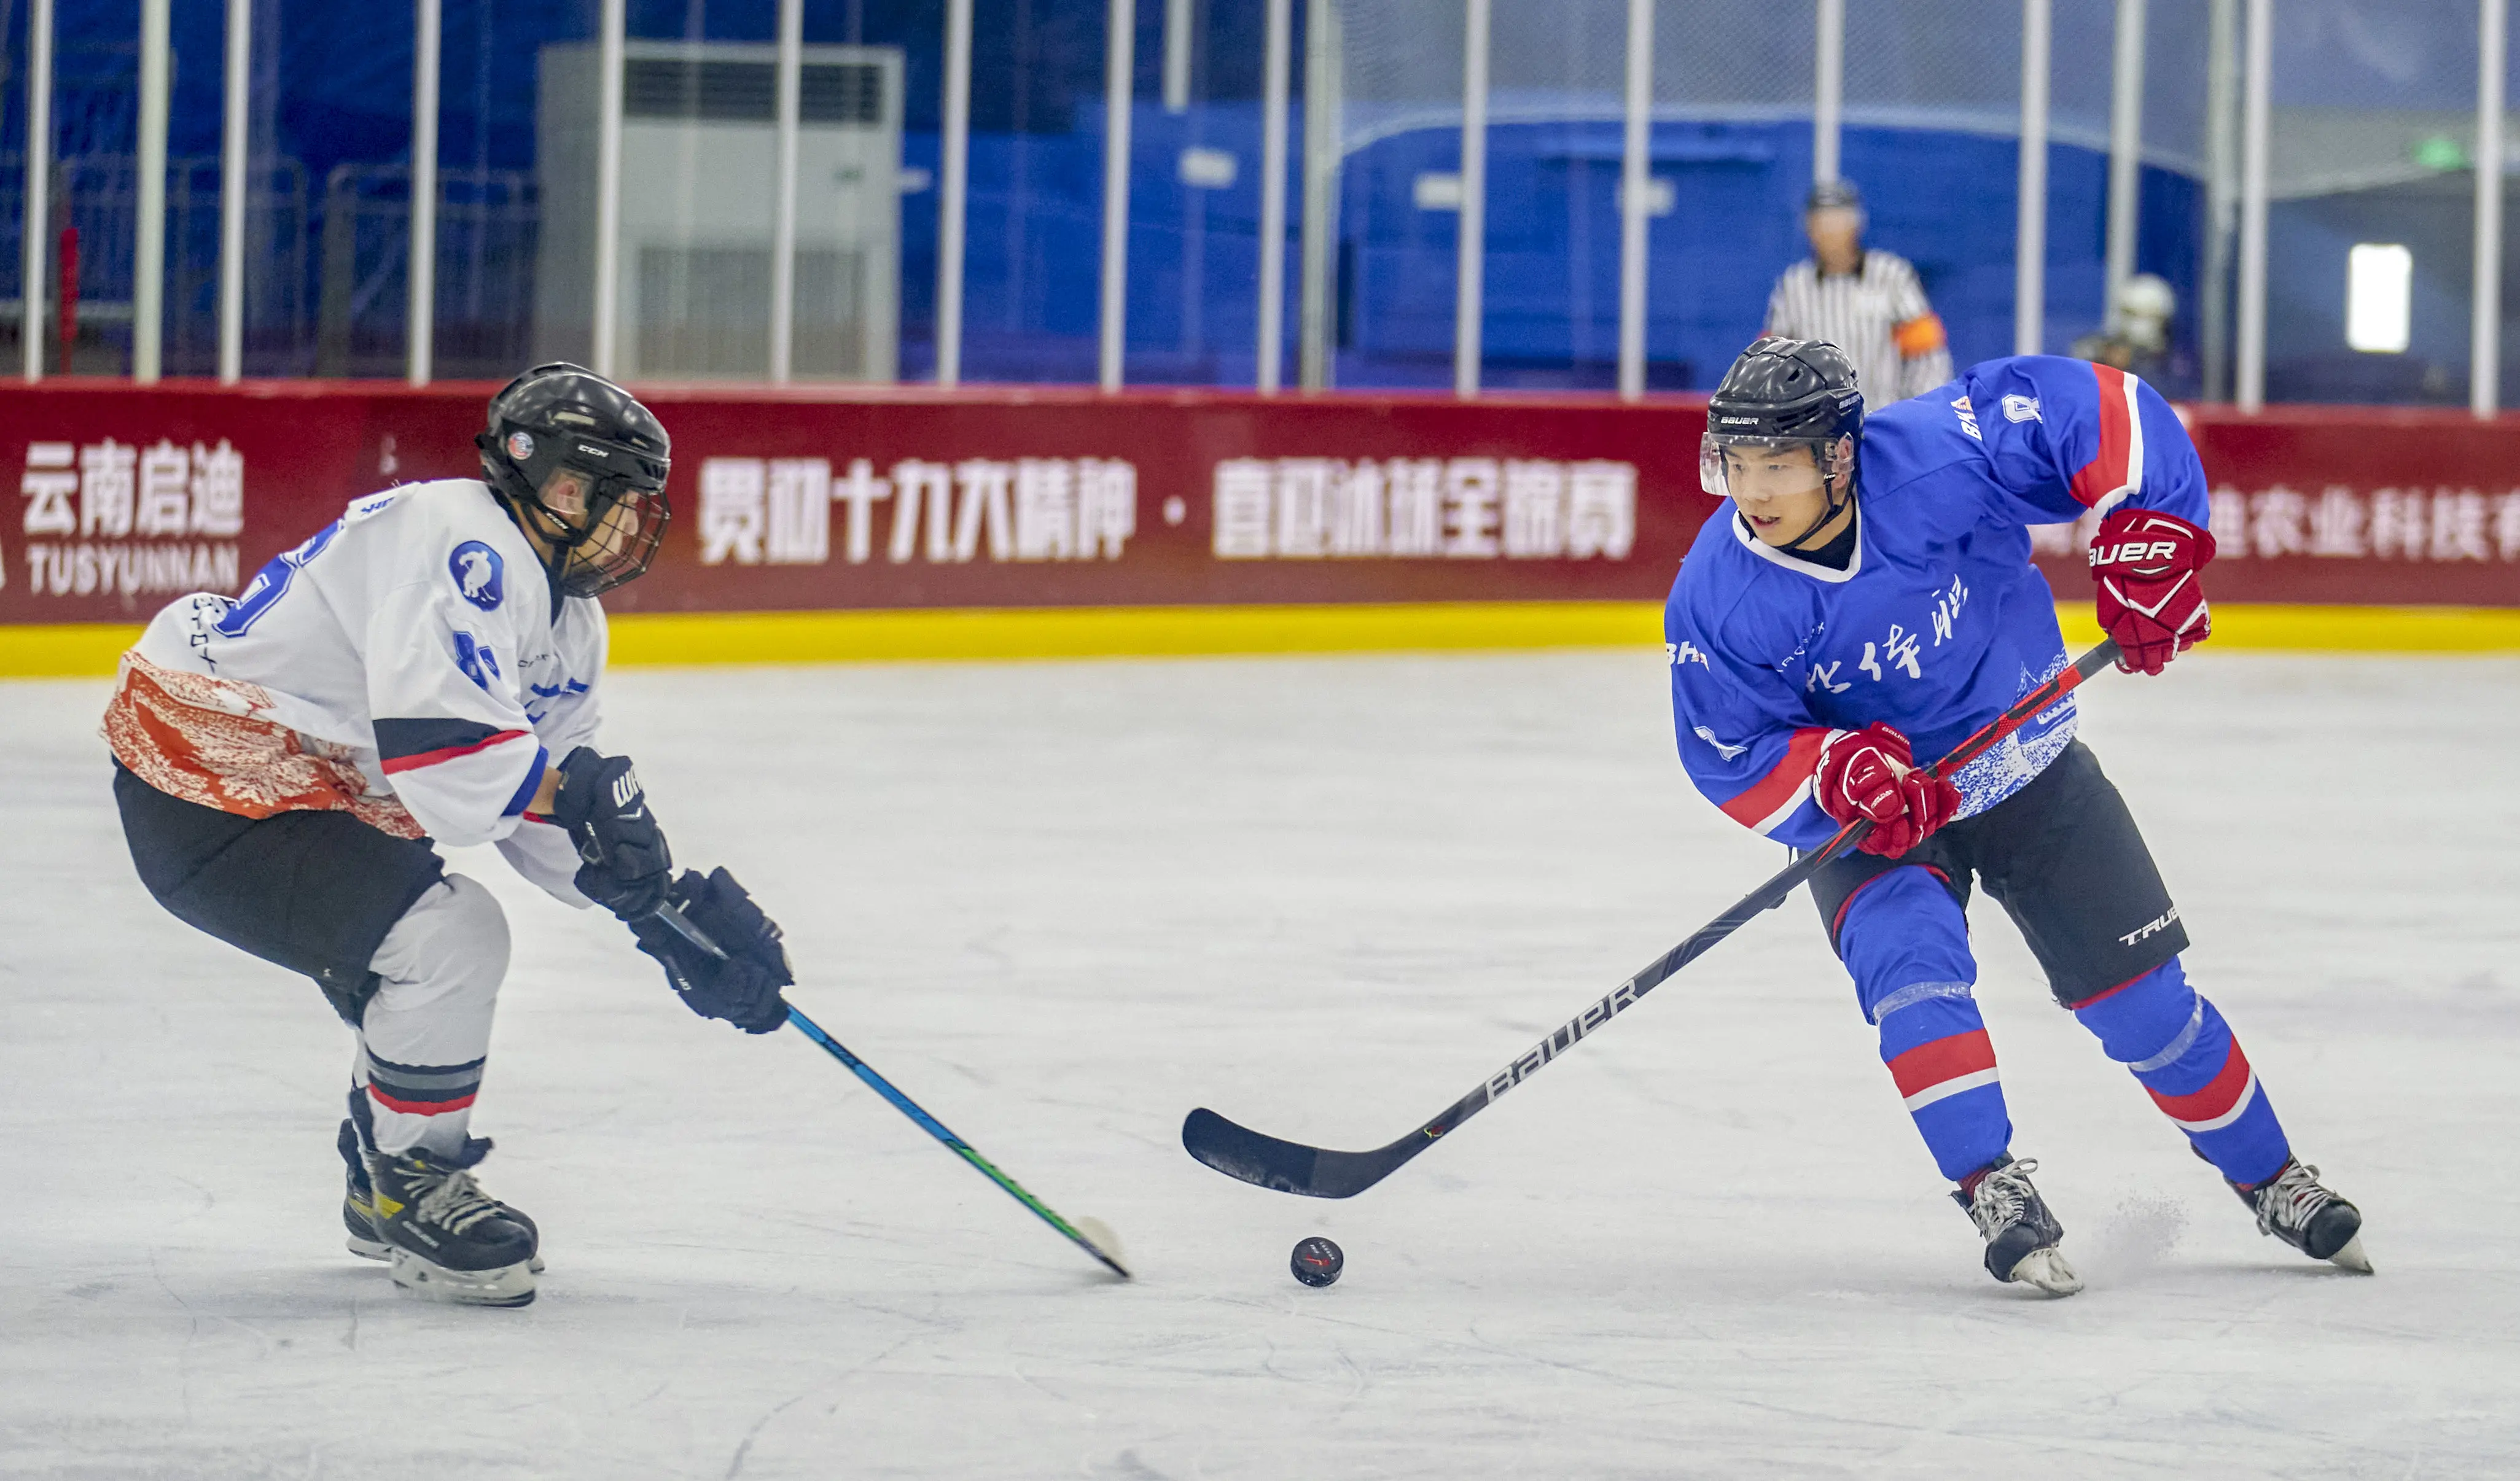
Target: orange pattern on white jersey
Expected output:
[210,740]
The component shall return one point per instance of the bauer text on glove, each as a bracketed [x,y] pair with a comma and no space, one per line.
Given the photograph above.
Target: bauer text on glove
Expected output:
[2148,570]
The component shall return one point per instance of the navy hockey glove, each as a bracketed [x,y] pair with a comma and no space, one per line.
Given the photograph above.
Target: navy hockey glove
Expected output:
[1872,774]
[626,866]
[2147,568]
[743,987]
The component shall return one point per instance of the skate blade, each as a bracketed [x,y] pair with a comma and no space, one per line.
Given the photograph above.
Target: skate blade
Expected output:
[2351,1258]
[378,1249]
[507,1285]
[2047,1270]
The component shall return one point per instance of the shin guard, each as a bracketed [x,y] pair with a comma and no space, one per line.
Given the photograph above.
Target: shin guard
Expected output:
[1905,944]
[2184,1056]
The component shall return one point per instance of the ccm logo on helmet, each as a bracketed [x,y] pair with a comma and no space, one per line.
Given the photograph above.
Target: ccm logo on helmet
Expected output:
[2127,553]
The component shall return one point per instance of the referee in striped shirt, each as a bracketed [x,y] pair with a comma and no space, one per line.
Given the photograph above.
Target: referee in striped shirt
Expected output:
[1867,302]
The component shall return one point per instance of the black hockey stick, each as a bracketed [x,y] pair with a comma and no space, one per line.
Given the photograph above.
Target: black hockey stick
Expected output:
[682,925]
[1315,1172]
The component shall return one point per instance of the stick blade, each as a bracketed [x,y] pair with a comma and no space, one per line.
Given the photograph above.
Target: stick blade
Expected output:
[1287,1167]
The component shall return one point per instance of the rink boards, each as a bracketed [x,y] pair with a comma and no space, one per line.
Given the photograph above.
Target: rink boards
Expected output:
[909,524]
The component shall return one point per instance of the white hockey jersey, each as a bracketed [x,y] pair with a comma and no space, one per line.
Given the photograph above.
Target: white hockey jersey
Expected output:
[402,665]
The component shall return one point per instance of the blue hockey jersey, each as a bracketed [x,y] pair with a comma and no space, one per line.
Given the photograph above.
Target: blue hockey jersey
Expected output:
[1939,621]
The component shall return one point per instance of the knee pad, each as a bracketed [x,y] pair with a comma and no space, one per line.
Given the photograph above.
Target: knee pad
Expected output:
[2149,1022]
[450,946]
[1905,942]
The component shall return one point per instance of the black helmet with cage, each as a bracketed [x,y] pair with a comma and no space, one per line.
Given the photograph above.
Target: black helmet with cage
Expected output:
[565,418]
[1788,394]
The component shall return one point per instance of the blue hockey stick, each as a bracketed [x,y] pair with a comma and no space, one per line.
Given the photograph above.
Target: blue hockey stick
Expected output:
[673,917]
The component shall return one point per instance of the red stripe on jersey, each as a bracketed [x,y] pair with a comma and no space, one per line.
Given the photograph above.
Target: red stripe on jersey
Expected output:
[418,1108]
[2106,472]
[451,752]
[1948,1058]
[2217,1099]
[1760,802]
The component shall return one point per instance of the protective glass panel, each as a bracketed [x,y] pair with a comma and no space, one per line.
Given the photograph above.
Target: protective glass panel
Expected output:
[2373,125]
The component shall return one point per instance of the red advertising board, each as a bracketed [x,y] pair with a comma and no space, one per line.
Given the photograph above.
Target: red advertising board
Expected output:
[1006,497]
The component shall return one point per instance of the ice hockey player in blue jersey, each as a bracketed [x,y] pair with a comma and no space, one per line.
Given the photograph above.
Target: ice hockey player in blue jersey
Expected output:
[1863,603]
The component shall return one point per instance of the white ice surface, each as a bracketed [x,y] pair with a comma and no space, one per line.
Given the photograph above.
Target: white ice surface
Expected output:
[1062,904]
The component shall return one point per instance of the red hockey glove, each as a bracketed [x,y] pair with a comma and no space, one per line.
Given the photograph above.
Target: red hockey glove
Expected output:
[1872,774]
[2150,595]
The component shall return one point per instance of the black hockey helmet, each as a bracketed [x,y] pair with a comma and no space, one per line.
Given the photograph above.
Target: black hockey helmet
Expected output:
[566,417]
[1786,393]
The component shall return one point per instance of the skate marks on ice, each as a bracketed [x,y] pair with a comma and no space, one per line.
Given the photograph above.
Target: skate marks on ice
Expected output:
[1067,901]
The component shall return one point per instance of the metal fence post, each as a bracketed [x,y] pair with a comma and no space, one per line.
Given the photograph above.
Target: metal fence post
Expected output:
[782,237]
[1177,44]
[608,187]
[39,186]
[233,189]
[2485,335]
[149,254]
[2222,195]
[1119,64]
[2030,232]
[421,316]
[954,192]
[1829,89]
[1635,184]
[1470,249]
[2250,391]
[2126,155]
[1315,331]
[1272,196]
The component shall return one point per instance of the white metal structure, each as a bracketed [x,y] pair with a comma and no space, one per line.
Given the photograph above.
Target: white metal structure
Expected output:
[2125,154]
[1635,208]
[1271,350]
[783,231]
[419,336]
[2030,236]
[2249,379]
[2484,335]
[1470,253]
[39,186]
[1828,88]
[1119,61]
[697,194]
[233,190]
[149,253]
[954,192]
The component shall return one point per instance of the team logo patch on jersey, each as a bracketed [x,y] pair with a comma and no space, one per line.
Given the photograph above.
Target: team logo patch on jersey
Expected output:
[480,574]
[2021,408]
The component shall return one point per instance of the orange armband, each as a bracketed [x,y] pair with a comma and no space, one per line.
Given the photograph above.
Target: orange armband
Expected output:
[1920,336]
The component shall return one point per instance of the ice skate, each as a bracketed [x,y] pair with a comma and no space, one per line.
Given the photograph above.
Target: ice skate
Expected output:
[2293,1208]
[446,1238]
[2021,1234]
[359,1213]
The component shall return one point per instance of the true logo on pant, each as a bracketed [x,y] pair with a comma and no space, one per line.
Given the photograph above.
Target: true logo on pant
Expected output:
[2152,927]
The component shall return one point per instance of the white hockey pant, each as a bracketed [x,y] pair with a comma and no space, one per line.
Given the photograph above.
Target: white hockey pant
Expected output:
[426,1032]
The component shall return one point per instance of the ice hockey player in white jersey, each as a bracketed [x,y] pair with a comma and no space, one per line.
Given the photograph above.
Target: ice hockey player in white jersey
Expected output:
[286,758]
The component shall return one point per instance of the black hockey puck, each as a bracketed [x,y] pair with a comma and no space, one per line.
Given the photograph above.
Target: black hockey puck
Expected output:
[1317,1260]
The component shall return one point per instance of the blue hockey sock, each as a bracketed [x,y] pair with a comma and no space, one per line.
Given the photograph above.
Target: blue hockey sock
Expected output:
[1905,943]
[2183,1055]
